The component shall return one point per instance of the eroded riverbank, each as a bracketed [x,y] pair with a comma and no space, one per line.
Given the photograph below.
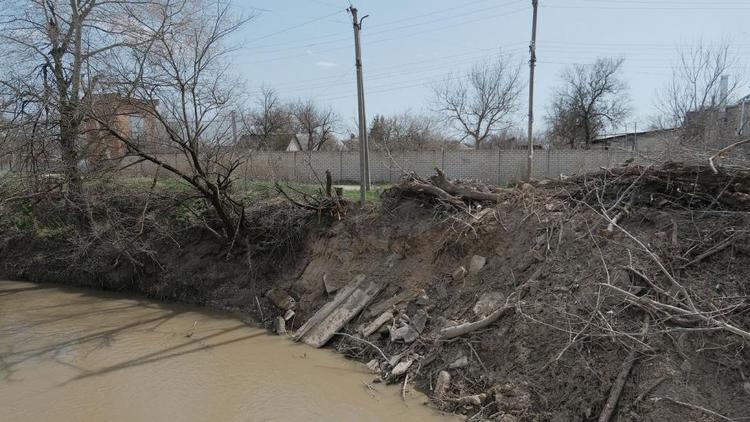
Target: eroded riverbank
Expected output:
[80,355]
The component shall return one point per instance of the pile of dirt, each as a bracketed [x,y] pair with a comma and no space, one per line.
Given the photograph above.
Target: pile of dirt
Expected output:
[619,295]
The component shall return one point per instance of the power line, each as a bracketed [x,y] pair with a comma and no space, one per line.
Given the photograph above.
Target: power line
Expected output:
[294,27]
[411,25]
[400,36]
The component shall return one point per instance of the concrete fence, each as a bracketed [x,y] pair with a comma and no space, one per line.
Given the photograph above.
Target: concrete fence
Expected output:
[491,166]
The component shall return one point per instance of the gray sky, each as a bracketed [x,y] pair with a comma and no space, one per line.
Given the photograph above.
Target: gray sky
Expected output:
[304,48]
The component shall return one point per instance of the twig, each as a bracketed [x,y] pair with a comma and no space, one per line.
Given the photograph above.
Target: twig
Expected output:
[648,390]
[711,251]
[696,407]
[260,309]
[627,365]
[403,387]
[722,152]
[365,342]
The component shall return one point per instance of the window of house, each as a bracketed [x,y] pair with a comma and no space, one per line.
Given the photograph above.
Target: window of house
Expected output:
[137,127]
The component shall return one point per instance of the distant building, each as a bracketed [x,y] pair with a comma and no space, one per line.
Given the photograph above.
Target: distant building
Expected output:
[126,116]
[647,142]
[719,126]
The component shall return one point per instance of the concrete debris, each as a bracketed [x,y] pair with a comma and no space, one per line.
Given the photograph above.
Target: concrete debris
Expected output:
[280,326]
[392,302]
[373,366]
[459,274]
[402,367]
[410,331]
[419,320]
[348,302]
[442,385]
[288,315]
[281,299]
[375,325]
[475,400]
[476,264]
[487,303]
[329,285]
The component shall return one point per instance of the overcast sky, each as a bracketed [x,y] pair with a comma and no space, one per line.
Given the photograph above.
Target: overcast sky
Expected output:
[304,48]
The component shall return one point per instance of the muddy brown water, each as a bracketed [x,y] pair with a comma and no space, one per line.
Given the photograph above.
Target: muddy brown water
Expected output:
[80,355]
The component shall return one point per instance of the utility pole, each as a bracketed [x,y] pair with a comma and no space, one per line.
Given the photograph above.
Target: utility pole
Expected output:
[364,159]
[532,65]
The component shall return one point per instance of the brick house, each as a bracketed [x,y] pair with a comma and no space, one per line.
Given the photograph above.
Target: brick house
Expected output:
[126,116]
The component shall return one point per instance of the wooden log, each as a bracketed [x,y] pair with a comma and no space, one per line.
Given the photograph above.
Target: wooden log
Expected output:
[459,330]
[466,193]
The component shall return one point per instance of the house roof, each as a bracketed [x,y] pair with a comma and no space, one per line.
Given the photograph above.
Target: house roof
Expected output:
[619,136]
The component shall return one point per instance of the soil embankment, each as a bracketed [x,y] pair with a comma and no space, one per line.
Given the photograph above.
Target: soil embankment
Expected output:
[616,296]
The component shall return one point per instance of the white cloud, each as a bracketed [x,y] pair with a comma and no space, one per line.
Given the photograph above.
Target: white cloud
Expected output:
[325,64]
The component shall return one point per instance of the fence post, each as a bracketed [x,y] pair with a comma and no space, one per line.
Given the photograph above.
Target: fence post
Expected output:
[499,165]
[295,166]
[549,167]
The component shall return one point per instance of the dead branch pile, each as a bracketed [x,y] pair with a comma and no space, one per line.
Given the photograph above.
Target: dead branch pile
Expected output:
[441,191]
[325,201]
[674,185]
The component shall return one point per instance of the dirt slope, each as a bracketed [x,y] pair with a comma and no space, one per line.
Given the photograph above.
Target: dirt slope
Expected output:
[634,266]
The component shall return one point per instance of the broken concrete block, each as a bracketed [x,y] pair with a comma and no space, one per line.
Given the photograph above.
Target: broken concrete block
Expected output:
[281,299]
[402,367]
[370,328]
[459,274]
[488,303]
[348,302]
[280,326]
[402,332]
[442,385]
[475,400]
[476,264]
[419,321]
[373,366]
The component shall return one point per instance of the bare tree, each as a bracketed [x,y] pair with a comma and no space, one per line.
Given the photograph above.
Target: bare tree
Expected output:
[314,121]
[591,99]
[481,102]
[406,131]
[696,81]
[50,49]
[270,120]
[181,82]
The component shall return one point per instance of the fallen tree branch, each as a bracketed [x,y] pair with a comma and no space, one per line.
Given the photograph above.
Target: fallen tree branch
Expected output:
[459,330]
[711,251]
[723,151]
[365,342]
[652,305]
[696,407]
[627,365]
[466,193]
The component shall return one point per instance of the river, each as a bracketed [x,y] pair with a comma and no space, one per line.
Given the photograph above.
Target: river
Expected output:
[81,355]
